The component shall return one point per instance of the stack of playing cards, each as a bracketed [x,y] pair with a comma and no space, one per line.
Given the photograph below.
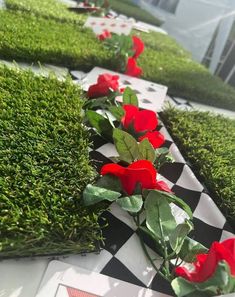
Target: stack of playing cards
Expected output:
[63,280]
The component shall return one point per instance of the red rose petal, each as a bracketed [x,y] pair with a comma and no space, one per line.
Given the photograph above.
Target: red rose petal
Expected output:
[132,69]
[138,46]
[206,264]
[145,120]
[129,117]
[155,138]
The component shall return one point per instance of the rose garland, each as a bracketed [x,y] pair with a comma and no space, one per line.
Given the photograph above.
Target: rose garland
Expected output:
[134,186]
[127,49]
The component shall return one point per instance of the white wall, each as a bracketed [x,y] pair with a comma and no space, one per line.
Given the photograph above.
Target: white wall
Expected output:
[193,23]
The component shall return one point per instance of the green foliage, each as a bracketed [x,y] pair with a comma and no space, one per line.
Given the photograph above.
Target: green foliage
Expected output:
[44,168]
[208,142]
[159,219]
[162,155]
[93,195]
[190,249]
[117,111]
[30,39]
[146,151]
[126,145]
[161,43]
[186,78]
[50,9]
[129,97]
[131,10]
[179,235]
[122,47]
[100,123]
[131,203]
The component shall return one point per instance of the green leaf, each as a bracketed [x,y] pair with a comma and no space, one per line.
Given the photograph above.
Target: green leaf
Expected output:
[100,123]
[131,203]
[146,151]
[126,145]
[179,202]
[219,282]
[162,151]
[93,195]
[96,103]
[117,111]
[190,249]
[159,218]
[129,97]
[178,236]
[110,182]
[157,243]
[162,156]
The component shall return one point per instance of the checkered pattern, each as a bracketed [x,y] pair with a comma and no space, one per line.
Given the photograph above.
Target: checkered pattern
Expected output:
[122,256]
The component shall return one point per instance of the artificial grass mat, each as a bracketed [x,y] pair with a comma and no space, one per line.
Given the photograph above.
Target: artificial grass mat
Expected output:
[24,37]
[208,142]
[185,78]
[50,9]
[44,168]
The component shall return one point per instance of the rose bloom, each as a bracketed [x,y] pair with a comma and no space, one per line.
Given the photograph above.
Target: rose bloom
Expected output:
[142,120]
[206,264]
[105,83]
[142,172]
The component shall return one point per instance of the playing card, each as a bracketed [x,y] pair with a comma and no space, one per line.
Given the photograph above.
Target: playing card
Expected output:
[64,280]
[98,25]
[150,95]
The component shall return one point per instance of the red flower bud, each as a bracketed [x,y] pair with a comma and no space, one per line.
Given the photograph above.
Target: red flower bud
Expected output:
[142,120]
[206,264]
[142,172]
[105,83]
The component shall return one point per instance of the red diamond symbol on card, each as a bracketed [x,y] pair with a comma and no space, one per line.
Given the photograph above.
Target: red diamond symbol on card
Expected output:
[93,23]
[77,293]
[123,26]
[113,25]
[102,24]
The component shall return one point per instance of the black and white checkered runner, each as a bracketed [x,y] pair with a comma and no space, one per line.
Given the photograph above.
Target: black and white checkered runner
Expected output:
[122,256]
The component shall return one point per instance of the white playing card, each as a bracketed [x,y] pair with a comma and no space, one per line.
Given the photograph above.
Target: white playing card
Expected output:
[98,25]
[151,95]
[64,280]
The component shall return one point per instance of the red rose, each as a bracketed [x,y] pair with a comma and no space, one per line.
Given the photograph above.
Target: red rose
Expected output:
[105,83]
[132,69]
[142,172]
[104,35]
[142,120]
[155,138]
[138,46]
[206,264]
